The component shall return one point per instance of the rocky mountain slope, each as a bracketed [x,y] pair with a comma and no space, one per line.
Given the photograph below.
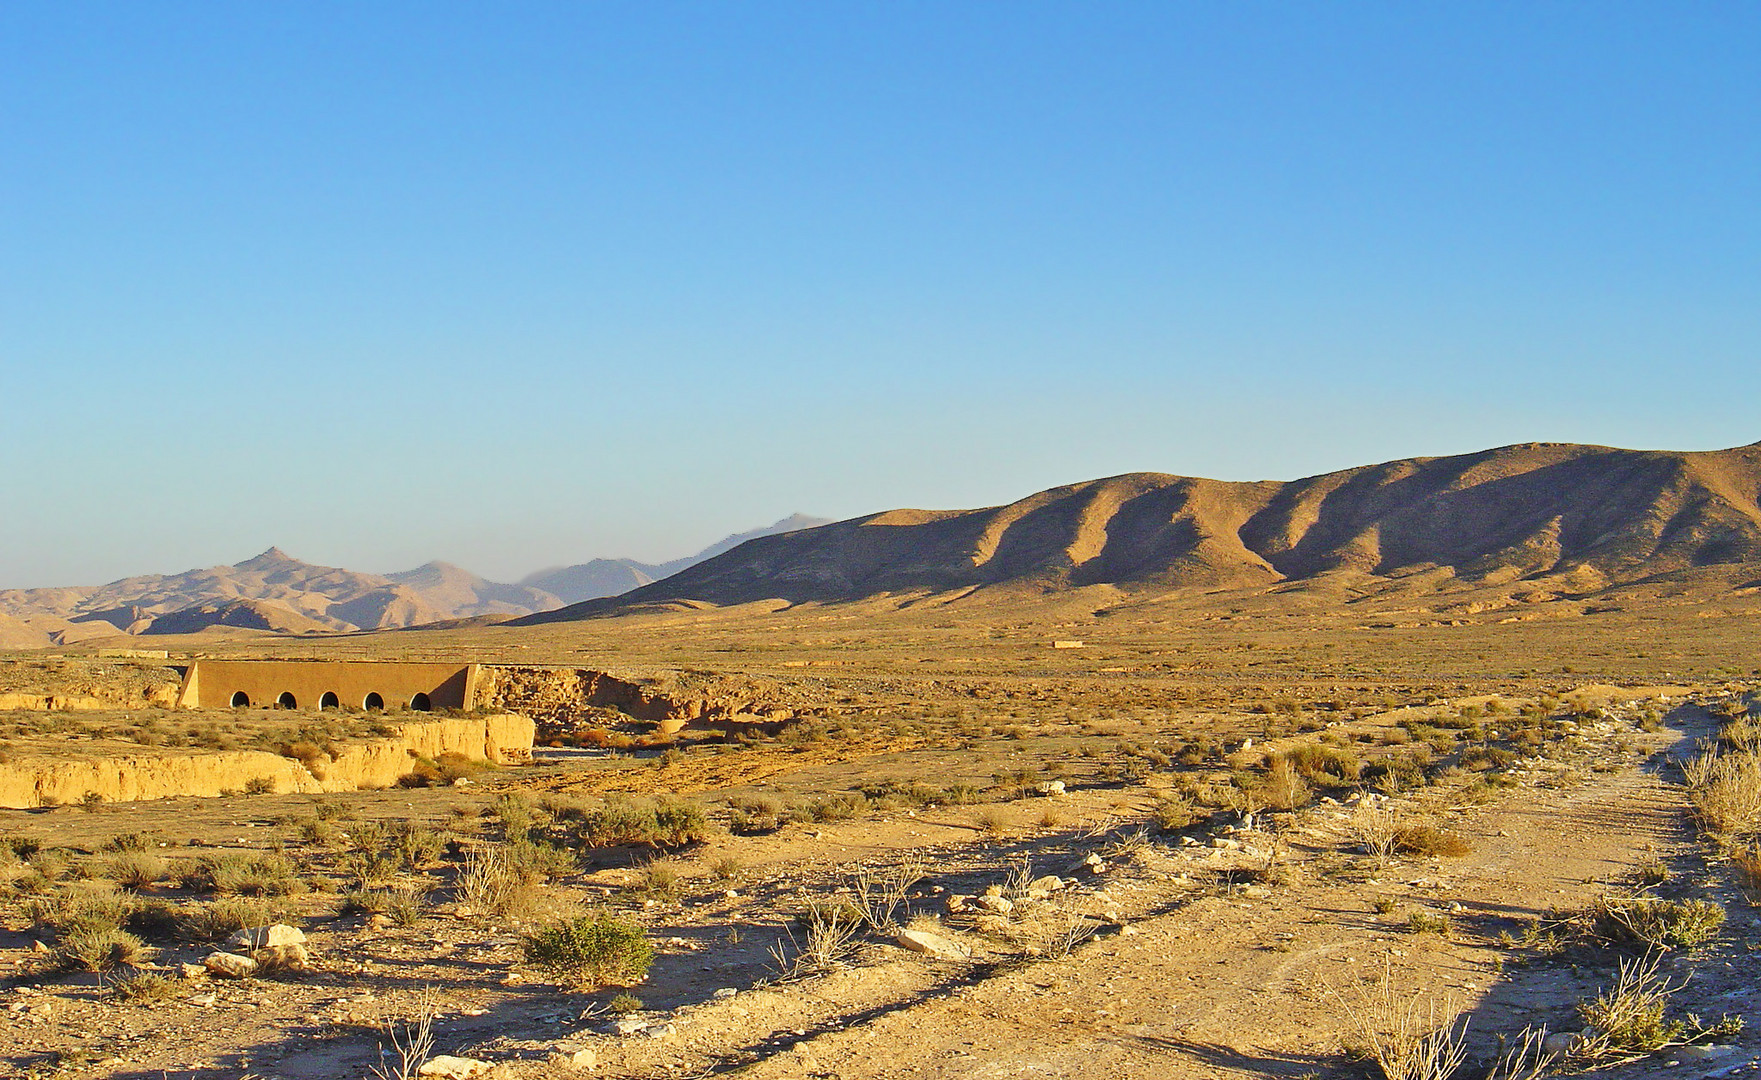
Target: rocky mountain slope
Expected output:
[1546,518]
[609,577]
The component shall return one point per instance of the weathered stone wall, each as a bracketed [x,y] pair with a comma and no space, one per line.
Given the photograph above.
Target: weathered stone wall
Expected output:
[502,739]
[212,683]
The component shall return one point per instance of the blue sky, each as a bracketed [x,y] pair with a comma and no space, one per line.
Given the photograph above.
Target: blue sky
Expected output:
[520,284]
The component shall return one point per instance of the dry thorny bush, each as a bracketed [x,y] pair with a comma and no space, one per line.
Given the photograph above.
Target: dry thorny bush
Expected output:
[1408,1036]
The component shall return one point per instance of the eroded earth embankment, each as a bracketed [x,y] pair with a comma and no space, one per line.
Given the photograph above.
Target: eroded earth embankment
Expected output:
[44,780]
[566,701]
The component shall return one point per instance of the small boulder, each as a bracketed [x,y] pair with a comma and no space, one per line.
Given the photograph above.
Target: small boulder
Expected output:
[923,941]
[267,937]
[630,1025]
[448,1067]
[283,958]
[230,965]
[574,1059]
[996,905]
[1050,883]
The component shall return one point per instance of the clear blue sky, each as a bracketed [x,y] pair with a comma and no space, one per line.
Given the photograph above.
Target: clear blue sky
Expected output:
[521,284]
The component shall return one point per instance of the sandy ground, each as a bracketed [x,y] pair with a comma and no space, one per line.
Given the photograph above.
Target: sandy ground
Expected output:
[1227,960]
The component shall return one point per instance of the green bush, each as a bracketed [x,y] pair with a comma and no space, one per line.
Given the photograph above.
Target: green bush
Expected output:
[665,824]
[594,949]
[1681,923]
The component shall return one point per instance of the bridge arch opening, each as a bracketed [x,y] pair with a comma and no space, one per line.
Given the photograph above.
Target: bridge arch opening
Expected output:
[373,701]
[286,700]
[420,703]
[329,700]
[241,700]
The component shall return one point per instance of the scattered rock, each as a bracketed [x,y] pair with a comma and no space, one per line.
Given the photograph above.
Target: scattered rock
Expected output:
[192,971]
[661,1031]
[40,949]
[574,1059]
[923,941]
[996,905]
[267,937]
[381,921]
[230,965]
[957,903]
[1050,883]
[448,1067]
[629,1025]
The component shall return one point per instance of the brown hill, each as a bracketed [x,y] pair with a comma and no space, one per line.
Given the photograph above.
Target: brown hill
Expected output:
[1563,516]
[238,614]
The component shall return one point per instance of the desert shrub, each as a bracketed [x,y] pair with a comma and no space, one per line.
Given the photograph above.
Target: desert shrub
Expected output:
[153,919]
[1747,862]
[260,785]
[840,807]
[1430,840]
[623,1002]
[1726,793]
[137,869]
[130,841]
[1173,811]
[990,820]
[1327,766]
[416,844]
[402,906]
[1397,773]
[1741,734]
[594,949]
[316,830]
[19,848]
[1653,921]
[487,881]
[532,862]
[660,880]
[665,824]
[1408,1036]
[726,867]
[517,815]
[1284,787]
[1480,758]
[238,874]
[963,795]
[1630,1015]
[1374,829]
[1428,922]
[81,911]
[145,988]
[829,934]
[224,917]
[98,949]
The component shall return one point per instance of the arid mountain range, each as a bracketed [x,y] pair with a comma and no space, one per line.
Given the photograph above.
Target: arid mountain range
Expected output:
[277,592]
[1536,521]
[609,577]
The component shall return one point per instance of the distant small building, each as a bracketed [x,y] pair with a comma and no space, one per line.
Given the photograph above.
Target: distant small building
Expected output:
[328,684]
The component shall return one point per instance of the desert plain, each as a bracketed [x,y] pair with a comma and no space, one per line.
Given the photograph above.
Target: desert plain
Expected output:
[1358,820]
